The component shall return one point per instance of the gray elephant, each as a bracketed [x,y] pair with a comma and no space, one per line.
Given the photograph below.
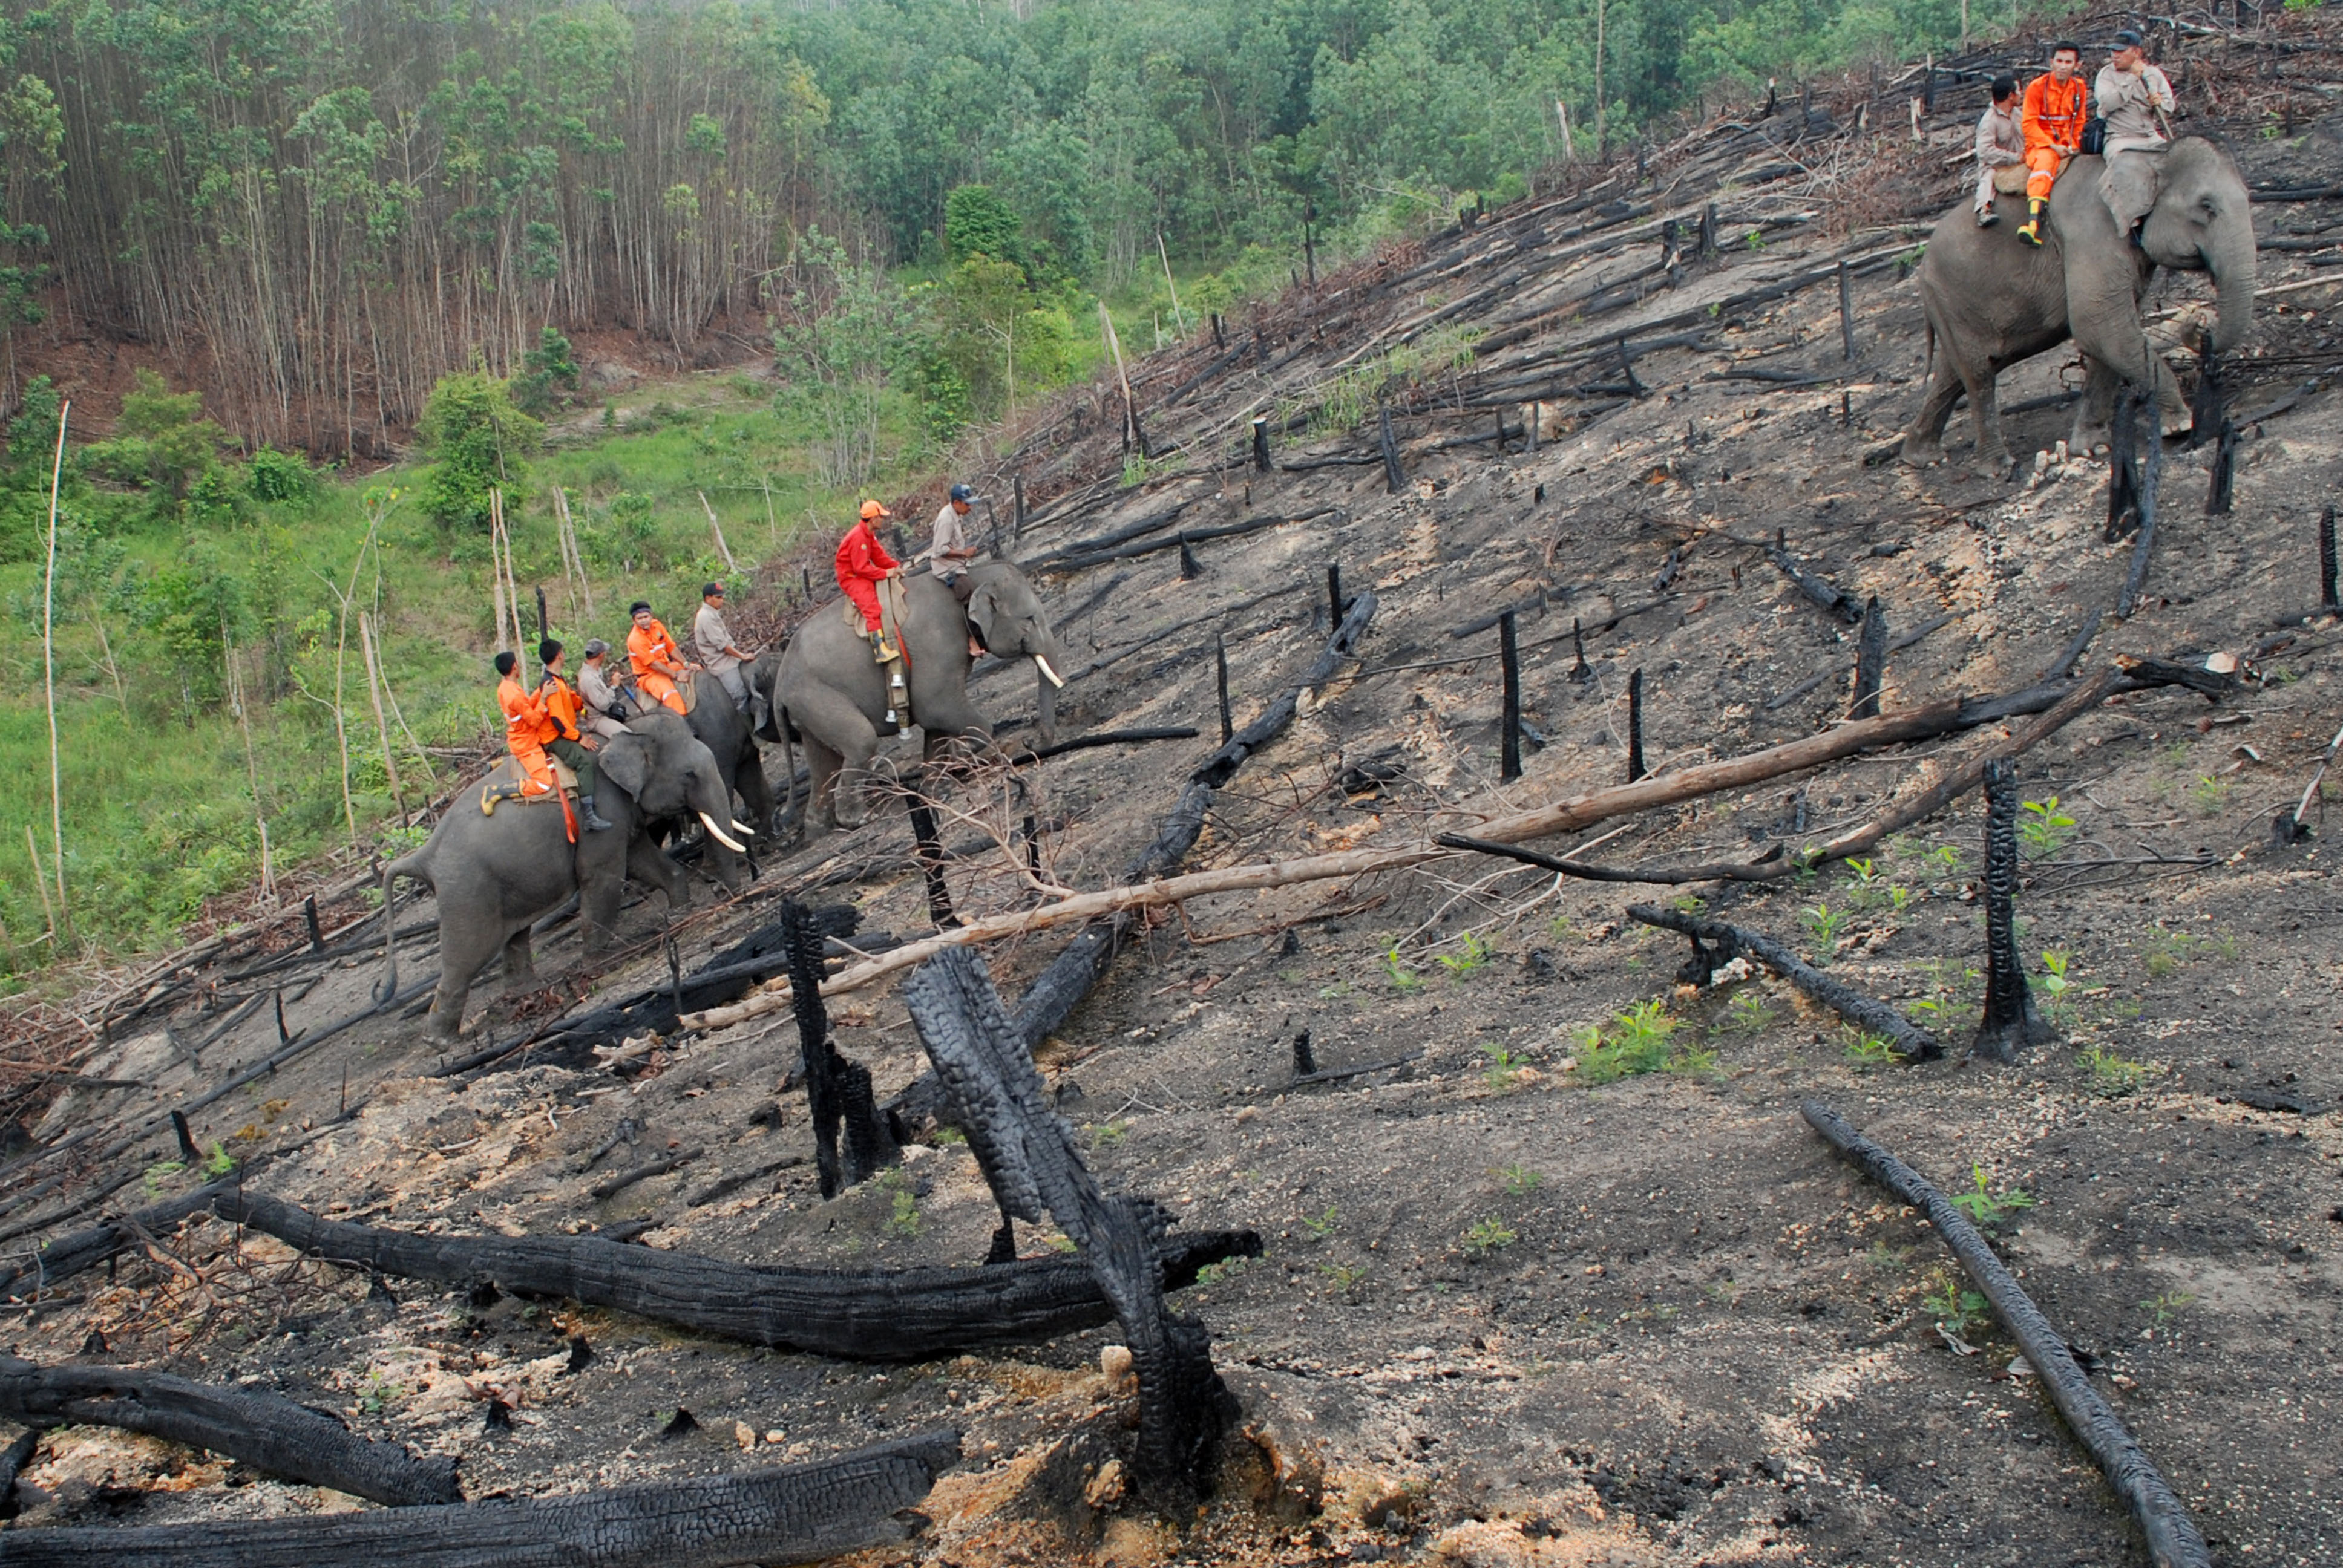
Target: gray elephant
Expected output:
[826,687]
[724,729]
[496,874]
[1992,300]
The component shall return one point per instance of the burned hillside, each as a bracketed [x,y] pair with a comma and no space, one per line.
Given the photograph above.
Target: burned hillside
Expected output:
[1483,1221]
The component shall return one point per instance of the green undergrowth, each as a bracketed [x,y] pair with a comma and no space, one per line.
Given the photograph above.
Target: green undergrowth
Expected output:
[223,579]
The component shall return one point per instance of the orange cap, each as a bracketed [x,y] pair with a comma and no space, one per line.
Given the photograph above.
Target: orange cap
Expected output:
[871,510]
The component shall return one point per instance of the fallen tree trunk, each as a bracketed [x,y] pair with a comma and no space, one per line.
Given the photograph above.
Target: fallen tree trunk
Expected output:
[1867,1013]
[791,1514]
[2172,1538]
[908,1314]
[263,1430]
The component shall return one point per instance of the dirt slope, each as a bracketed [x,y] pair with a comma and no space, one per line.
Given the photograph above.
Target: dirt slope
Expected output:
[1507,1315]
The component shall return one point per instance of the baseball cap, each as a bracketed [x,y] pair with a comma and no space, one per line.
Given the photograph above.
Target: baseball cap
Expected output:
[639,606]
[595,647]
[710,589]
[872,510]
[963,493]
[2129,38]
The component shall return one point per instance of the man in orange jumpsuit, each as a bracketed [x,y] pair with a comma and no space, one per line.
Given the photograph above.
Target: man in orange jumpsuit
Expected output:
[657,661]
[862,565]
[2054,132]
[573,746]
[527,729]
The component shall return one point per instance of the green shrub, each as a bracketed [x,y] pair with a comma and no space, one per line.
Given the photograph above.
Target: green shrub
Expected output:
[479,441]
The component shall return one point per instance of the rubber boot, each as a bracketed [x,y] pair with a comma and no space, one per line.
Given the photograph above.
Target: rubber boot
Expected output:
[595,821]
[2030,231]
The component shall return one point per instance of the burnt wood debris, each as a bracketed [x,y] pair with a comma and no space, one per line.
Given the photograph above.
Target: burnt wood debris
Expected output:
[1728,942]
[2173,1540]
[2011,1019]
[875,1315]
[791,1514]
[1028,1156]
[263,1430]
[838,1091]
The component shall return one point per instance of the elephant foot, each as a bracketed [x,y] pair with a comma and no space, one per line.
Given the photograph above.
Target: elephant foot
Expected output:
[1993,464]
[1920,454]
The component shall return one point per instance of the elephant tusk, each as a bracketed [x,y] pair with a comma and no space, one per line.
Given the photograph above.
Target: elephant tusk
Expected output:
[1055,679]
[717,833]
[743,829]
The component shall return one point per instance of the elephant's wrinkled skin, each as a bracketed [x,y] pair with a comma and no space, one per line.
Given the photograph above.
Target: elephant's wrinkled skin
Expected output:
[495,875]
[724,731]
[826,687]
[1992,300]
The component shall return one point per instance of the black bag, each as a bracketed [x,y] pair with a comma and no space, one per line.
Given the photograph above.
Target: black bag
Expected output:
[2095,137]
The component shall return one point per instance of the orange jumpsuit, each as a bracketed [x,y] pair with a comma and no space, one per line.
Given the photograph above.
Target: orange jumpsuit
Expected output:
[2054,129]
[862,565]
[647,645]
[527,730]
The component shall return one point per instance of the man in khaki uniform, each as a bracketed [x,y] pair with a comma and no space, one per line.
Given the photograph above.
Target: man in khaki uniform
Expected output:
[949,553]
[2000,145]
[604,701]
[712,646]
[2133,98]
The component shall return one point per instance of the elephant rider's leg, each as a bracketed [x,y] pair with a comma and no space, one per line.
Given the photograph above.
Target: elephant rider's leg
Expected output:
[866,598]
[1983,201]
[659,689]
[581,762]
[535,769]
[2042,167]
[963,589]
[734,686]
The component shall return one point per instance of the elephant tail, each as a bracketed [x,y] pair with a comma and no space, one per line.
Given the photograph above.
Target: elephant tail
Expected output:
[386,987]
[789,737]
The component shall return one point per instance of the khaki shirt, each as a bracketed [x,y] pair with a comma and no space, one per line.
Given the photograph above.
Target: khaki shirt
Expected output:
[951,534]
[710,637]
[2128,105]
[2000,138]
[594,686]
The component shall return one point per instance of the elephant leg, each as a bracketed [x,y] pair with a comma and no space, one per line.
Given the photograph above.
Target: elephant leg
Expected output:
[1923,441]
[841,742]
[2095,412]
[1985,411]
[648,864]
[597,900]
[463,954]
[520,968]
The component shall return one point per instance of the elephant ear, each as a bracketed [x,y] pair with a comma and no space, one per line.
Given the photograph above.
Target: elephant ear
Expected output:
[626,760]
[986,612]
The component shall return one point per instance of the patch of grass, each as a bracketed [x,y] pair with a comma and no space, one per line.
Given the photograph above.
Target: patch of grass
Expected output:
[1521,1180]
[1475,954]
[1637,1041]
[1952,1305]
[2112,1076]
[1746,1013]
[2043,830]
[1400,976]
[1323,1225]
[1690,1061]
[1218,1273]
[1824,923]
[1985,1207]
[1341,1279]
[1490,1235]
[2163,1309]
[904,1219]
[159,1173]
[1689,904]
[1870,1050]
[2209,796]
[1504,1069]
[2053,983]
[1109,1135]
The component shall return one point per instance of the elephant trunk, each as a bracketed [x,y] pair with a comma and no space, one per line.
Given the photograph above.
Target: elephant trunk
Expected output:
[2231,263]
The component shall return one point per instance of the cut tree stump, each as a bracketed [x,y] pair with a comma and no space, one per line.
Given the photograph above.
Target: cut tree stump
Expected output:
[876,1314]
[791,1514]
[263,1430]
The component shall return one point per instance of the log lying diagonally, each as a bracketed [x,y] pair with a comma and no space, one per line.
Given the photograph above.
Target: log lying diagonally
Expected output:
[877,1314]
[264,1430]
[2172,1537]
[791,1514]
[1028,1156]
[1866,1012]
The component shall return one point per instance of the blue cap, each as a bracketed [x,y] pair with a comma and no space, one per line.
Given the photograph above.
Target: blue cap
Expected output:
[963,493]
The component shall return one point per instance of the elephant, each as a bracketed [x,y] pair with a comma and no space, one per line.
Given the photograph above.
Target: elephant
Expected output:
[825,688]
[496,874]
[725,730]
[1992,300]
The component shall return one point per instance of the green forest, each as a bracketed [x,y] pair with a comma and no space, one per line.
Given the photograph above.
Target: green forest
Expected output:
[365,244]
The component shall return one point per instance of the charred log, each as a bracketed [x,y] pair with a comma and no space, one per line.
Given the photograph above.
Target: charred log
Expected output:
[1028,1156]
[1866,1012]
[1870,662]
[838,1091]
[263,1430]
[791,1514]
[2172,1537]
[1820,590]
[877,1315]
